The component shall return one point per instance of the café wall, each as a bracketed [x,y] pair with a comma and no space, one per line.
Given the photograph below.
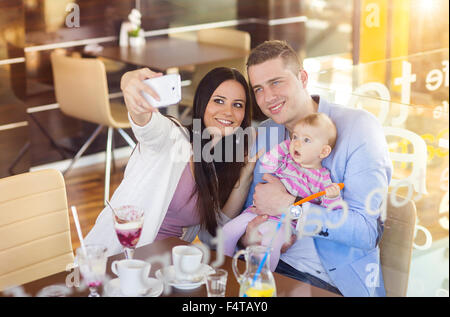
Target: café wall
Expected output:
[31,29]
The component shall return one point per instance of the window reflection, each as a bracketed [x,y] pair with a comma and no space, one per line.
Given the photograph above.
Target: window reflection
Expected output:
[412,106]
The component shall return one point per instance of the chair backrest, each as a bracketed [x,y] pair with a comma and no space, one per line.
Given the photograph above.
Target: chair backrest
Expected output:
[225,37]
[81,88]
[34,227]
[396,246]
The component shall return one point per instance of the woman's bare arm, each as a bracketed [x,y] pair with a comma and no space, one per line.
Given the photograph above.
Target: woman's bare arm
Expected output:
[237,198]
[238,195]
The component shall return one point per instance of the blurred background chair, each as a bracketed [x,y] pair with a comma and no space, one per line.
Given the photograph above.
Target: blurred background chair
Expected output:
[81,90]
[396,246]
[34,227]
[225,37]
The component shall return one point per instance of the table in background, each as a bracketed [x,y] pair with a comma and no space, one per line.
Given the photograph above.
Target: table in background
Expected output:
[169,53]
[164,53]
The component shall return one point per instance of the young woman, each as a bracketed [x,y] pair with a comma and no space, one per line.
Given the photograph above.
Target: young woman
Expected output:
[181,188]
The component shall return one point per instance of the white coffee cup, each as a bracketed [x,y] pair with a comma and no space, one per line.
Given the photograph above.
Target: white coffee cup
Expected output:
[133,275]
[186,261]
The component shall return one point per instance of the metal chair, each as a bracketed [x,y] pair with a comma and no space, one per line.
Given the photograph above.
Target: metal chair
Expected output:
[81,90]
[34,227]
[396,246]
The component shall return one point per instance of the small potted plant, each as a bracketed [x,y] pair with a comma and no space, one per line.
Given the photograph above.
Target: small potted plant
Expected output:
[135,34]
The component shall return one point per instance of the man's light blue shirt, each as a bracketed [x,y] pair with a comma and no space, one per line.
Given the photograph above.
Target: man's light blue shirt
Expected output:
[349,252]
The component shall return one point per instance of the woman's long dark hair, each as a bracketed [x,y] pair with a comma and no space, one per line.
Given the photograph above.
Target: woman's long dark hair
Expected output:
[215,180]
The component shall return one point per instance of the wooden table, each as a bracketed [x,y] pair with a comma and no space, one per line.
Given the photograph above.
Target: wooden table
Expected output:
[164,53]
[286,287]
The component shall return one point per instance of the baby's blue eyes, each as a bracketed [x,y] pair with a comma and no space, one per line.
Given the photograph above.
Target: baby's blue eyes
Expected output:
[306,140]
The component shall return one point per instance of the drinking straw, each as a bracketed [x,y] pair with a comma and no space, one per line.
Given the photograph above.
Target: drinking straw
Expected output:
[80,235]
[313,196]
[266,254]
[110,205]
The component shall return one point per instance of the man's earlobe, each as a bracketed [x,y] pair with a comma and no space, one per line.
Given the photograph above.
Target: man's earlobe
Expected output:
[303,77]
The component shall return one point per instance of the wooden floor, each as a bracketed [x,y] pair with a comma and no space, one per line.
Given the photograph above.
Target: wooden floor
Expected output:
[85,191]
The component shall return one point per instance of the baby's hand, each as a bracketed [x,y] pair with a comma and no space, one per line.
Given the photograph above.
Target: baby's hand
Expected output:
[332,191]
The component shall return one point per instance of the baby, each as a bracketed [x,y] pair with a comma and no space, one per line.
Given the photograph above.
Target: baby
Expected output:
[298,165]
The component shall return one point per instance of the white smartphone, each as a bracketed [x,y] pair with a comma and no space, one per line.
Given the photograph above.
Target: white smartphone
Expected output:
[168,87]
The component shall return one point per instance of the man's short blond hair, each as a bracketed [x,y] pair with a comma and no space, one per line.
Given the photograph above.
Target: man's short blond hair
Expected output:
[275,49]
[319,119]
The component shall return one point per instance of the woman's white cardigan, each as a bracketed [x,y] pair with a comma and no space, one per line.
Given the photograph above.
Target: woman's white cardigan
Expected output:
[150,180]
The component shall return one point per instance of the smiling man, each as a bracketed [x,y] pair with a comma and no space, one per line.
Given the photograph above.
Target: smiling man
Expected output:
[280,90]
[341,252]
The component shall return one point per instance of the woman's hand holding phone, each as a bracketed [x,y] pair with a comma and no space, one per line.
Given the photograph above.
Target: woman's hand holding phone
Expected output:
[132,86]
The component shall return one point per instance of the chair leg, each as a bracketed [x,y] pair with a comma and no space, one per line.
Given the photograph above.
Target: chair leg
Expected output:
[84,148]
[61,149]
[113,158]
[185,113]
[127,138]
[108,163]
[19,156]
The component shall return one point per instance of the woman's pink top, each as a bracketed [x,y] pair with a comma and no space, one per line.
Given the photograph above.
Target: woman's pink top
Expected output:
[182,211]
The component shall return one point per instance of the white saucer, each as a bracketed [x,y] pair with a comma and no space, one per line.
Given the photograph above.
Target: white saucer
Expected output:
[155,288]
[168,274]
